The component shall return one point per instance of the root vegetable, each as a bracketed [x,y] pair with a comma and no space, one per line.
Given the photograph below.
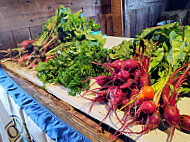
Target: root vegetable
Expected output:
[147,107]
[116,65]
[130,65]
[144,81]
[172,117]
[185,122]
[146,93]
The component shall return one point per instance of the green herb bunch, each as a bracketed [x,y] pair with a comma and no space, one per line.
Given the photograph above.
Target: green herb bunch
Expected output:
[78,48]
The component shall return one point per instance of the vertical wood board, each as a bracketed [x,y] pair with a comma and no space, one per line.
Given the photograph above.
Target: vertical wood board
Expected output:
[35,30]
[7,40]
[153,14]
[132,21]
[103,23]
[117,18]
[110,25]
[142,19]
[20,35]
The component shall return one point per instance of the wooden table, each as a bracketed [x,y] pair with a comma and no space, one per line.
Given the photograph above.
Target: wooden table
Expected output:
[83,123]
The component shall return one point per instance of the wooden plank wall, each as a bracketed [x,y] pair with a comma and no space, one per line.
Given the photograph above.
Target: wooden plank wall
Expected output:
[22,19]
[116,7]
[140,14]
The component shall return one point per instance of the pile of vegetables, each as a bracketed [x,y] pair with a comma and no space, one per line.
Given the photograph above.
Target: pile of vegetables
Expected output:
[144,77]
[146,80]
[64,50]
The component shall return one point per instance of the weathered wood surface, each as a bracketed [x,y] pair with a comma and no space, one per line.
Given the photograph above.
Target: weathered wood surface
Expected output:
[116,10]
[16,14]
[6,40]
[141,14]
[22,20]
[35,30]
[79,121]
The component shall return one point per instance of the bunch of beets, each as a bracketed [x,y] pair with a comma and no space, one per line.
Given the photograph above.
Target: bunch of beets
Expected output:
[127,88]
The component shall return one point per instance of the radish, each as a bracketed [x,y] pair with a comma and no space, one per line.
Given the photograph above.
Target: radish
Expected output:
[185,122]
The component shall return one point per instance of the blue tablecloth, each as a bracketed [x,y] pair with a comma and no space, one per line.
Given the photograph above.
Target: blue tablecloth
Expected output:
[50,124]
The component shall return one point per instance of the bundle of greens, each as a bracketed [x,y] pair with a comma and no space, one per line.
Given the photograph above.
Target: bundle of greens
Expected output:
[77,48]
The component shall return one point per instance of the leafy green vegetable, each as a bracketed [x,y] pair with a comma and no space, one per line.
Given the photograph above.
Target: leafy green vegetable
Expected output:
[74,55]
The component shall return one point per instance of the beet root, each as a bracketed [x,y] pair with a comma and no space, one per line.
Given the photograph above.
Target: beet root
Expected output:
[171,115]
[148,107]
[185,122]
[154,120]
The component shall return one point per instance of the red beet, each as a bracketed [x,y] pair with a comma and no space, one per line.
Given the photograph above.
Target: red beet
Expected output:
[101,80]
[139,102]
[154,120]
[116,96]
[124,75]
[136,74]
[24,58]
[116,65]
[171,115]
[144,81]
[185,122]
[25,43]
[124,102]
[147,107]
[127,84]
[165,95]
[101,97]
[130,65]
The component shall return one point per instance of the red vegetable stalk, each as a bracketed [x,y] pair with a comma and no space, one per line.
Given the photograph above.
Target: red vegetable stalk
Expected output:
[174,95]
[171,113]
[49,34]
[165,92]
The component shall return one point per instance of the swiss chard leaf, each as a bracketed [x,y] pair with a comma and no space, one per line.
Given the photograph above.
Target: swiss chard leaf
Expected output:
[156,59]
[176,54]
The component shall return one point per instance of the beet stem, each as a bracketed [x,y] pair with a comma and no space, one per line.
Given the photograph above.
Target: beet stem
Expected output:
[174,96]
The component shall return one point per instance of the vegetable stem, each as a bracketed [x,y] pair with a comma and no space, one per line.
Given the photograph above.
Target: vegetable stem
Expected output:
[159,92]
[50,34]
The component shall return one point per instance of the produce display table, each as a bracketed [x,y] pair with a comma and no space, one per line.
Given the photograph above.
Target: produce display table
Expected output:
[98,111]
